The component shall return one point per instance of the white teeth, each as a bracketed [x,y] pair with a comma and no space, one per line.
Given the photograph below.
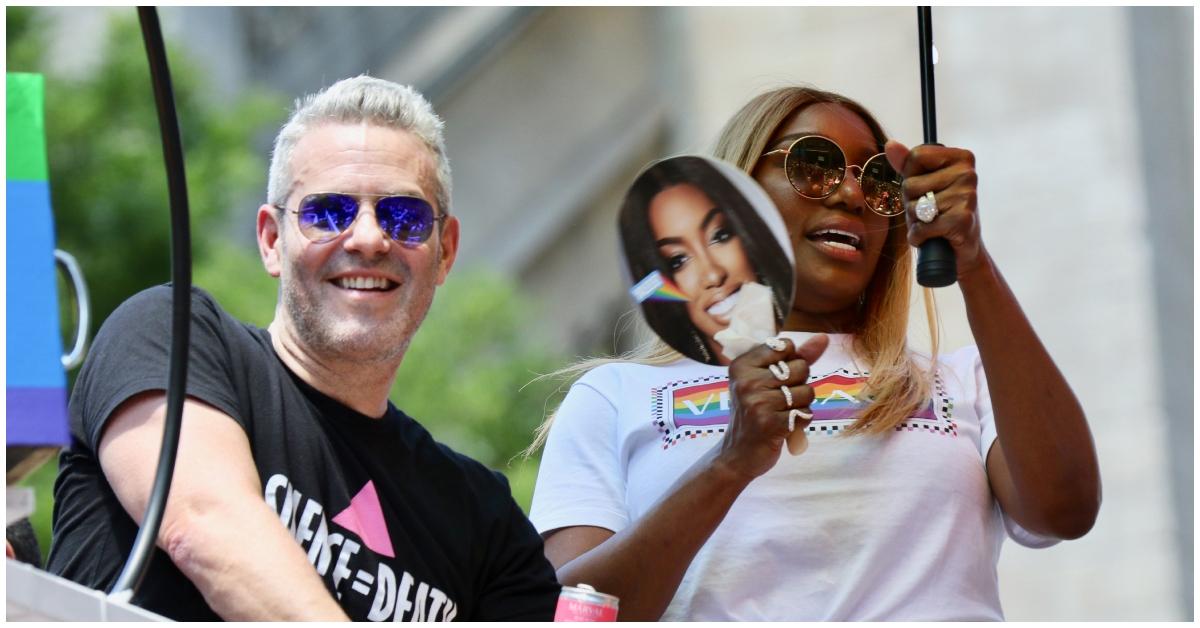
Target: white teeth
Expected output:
[363,283]
[855,240]
[839,245]
[724,306]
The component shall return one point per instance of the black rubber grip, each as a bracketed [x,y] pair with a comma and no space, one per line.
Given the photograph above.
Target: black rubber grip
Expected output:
[936,265]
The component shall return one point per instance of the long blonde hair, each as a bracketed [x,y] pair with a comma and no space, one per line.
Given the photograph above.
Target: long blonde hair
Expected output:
[897,386]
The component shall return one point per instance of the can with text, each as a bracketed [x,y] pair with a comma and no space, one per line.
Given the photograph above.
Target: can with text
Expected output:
[584,603]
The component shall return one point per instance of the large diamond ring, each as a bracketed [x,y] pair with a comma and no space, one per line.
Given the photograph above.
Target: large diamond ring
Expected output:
[787,395]
[926,208]
[775,344]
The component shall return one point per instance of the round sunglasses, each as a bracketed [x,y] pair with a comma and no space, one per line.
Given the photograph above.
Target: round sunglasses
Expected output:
[406,219]
[816,166]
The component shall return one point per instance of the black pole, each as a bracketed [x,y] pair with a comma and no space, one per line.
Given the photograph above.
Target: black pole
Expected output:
[181,287]
[936,265]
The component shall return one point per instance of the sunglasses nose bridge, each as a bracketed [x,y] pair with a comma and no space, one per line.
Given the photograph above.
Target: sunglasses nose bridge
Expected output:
[849,189]
[846,171]
[365,230]
[405,220]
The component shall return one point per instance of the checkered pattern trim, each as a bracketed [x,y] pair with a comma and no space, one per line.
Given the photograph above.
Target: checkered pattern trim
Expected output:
[679,418]
[944,404]
[941,407]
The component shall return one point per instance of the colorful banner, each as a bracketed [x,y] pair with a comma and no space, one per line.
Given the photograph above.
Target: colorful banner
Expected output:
[37,386]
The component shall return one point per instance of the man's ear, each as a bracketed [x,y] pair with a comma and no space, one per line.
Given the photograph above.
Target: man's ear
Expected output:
[449,246]
[268,230]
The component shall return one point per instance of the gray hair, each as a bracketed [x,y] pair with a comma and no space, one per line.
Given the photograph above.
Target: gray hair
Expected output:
[351,101]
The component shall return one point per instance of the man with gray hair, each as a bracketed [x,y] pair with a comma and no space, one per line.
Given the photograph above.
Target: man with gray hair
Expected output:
[300,491]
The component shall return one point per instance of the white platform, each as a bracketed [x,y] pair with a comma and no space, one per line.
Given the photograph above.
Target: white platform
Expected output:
[34,595]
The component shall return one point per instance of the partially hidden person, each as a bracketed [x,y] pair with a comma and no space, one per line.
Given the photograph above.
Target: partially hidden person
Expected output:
[692,224]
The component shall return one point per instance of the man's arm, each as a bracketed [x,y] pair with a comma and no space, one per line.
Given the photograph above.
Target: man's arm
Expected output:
[217,528]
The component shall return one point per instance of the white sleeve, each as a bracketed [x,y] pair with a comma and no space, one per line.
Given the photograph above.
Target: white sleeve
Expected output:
[987,438]
[581,479]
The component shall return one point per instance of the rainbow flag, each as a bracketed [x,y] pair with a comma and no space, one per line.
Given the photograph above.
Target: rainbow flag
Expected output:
[656,287]
[36,385]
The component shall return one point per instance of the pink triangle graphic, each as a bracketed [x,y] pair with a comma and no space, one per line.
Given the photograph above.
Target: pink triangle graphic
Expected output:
[364,517]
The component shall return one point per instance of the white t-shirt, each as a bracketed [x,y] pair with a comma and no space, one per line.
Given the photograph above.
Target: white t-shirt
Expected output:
[901,526]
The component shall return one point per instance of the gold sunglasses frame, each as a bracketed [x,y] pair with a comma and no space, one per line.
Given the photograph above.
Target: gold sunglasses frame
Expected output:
[787,155]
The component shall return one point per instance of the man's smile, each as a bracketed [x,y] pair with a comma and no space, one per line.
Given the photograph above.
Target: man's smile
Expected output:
[365,283]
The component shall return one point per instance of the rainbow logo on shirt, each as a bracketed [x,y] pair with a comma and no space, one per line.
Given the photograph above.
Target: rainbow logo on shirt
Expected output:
[840,397]
[701,405]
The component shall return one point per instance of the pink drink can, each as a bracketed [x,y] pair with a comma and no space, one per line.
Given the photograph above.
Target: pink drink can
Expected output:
[584,603]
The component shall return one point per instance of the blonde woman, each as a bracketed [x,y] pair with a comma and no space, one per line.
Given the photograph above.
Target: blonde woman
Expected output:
[663,482]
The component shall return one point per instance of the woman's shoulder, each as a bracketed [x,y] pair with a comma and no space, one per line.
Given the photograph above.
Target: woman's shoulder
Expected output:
[964,357]
[956,358]
[621,373]
[959,368]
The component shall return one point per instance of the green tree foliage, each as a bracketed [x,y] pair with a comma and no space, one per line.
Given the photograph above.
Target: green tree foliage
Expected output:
[23,51]
[107,179]
[235,277]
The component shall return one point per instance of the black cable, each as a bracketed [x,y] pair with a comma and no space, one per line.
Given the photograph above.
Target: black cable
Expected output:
[936,264]
[181,308]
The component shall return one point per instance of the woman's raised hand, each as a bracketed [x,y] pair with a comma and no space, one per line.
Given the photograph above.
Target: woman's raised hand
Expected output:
[950,174]
[760,408]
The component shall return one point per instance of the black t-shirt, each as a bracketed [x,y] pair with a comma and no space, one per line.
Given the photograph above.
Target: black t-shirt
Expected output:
[399,526]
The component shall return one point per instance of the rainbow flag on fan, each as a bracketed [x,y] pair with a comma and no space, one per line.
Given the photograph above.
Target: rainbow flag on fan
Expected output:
[36,383]
[656,287]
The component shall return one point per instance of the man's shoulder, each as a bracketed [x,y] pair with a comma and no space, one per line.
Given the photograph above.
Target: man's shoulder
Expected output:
[133,349]
[472,471]
[162,297]
[155,304]
[152,310]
